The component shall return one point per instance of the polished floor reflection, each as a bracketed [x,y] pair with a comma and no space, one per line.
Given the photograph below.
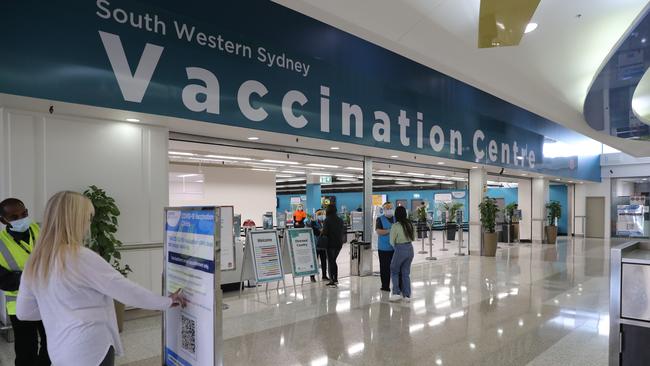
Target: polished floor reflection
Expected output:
[531,305]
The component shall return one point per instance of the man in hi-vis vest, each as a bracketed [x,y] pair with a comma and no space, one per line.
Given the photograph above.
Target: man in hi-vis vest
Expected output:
[16,243]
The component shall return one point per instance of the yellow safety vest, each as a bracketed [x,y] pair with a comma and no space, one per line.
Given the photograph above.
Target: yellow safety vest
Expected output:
[13,257]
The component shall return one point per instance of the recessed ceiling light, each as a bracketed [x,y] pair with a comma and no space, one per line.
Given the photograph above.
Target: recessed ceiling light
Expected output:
[394,156]
[530,27]
[280,162]
[334,148]
[132,120]
[441,163]
[253,138]
[324,166]
[180,153]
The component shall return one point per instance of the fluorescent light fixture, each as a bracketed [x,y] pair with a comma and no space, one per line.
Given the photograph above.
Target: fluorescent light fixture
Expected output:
[524,174]
[416,174]
[474,167]
[228,157]
[530,27]
[320,174]
[292,172]
[394,156]
[207,159]
[180,153]
[263,170]
[446,182]
[383,178]
[344,175]
[132,120]
[335,148]
[403,183]
[280,162]
[324,166]
[354,168]
[570,181]
[441,163]
[437,176]
[289,180]
[262,164]
[199,181]
[348,179]
[284,176]
[558,179]
[418,180]
[187,175]
[253,138]
[388,172]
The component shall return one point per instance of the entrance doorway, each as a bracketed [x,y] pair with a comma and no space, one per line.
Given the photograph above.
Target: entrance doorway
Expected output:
[595,217]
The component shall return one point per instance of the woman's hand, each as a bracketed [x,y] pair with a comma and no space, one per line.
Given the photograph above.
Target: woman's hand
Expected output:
[178,299]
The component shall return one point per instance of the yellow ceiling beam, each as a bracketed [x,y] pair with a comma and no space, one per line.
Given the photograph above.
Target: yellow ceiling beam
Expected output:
[502,22]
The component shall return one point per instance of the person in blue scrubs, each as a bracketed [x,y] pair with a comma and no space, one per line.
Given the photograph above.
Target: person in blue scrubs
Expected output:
[385,250]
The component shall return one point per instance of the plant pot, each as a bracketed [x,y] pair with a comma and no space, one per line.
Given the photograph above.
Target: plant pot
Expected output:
[119,314]
[489,244]
[451,232]
[551,234]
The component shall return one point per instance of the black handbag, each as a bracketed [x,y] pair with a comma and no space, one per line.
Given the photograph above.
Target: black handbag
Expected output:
[322,242]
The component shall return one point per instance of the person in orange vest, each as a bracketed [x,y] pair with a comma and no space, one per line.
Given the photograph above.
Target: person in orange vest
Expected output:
[16,244]
[299,217]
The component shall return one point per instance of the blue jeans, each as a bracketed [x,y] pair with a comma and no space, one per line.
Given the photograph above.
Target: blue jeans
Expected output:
[401,265]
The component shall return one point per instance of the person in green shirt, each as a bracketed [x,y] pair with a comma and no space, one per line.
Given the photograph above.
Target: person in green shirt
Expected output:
[401,236]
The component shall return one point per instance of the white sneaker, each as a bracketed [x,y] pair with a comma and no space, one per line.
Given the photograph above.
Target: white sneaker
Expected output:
[394,298]
[406,299]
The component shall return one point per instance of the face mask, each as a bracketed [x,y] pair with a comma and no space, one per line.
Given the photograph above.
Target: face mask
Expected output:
[22,225]
[389,212]
[321,218]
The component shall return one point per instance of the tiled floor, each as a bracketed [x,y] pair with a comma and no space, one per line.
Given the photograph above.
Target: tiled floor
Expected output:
[531,305]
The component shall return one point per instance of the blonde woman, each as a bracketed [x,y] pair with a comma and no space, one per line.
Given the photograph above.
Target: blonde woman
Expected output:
[71,288]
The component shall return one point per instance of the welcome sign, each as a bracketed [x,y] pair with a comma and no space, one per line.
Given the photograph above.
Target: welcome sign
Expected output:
[167,59]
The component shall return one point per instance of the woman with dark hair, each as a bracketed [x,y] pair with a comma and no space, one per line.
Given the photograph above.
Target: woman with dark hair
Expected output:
[334,230]
[401,236]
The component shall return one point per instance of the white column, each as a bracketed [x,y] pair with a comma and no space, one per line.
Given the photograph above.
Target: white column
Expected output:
[540,199]
[524,202]
[477,189]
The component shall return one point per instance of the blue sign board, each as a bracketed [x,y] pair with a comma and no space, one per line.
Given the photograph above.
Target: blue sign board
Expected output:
[270,69]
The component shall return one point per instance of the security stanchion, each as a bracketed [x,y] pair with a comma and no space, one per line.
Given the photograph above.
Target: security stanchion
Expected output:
[444,239]
[422,233]
[460,241]
[431,257]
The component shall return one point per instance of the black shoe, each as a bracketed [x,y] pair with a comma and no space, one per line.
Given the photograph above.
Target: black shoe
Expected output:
[312,278]
[331,284]
[325,278]
[385,289]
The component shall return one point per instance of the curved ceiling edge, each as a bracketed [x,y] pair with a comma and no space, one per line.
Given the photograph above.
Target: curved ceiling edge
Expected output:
[608,107]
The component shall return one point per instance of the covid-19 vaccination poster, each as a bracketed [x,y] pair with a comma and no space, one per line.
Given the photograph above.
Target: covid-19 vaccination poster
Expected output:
[190,265]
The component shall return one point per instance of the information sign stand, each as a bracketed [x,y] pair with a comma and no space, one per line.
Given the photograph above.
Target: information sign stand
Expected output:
[193,336]
[301,246]
[264,253]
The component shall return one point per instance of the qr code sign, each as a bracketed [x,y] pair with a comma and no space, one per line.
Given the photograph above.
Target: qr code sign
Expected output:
[188,334]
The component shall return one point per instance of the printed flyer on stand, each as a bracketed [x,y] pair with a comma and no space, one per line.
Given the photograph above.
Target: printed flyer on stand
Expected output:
[189,334]
[303,252]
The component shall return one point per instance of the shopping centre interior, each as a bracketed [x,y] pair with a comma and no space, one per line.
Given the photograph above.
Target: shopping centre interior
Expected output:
[350,105]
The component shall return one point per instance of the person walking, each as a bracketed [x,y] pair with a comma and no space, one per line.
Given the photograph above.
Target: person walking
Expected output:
[384,249]
[16,244]
[321,253]
[401,236]
[334,230]
[71,288]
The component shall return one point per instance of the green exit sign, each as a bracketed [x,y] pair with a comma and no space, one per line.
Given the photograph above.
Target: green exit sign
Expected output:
[326,179]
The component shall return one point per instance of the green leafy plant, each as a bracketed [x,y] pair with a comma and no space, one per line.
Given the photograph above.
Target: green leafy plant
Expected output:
[553,211]
[422,213]
[451,209]
[510,210]
[104,227]
[489,210]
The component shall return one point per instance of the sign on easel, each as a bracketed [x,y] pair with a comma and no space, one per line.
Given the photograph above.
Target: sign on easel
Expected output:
[266,255]
[193,336]
[302,251]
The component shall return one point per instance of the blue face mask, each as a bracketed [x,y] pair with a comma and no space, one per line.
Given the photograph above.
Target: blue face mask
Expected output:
[22,225]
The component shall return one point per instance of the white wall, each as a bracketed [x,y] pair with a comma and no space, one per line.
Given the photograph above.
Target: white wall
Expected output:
[251,192]
[43,154]
[540,199]
[524,191]
[477,189]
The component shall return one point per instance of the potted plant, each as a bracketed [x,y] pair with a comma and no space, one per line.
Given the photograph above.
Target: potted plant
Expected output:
[452,208]
[488,209]
[553,212]
[513,221]
[102,237]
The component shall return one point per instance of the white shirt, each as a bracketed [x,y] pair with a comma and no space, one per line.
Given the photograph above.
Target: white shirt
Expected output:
[77,309]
